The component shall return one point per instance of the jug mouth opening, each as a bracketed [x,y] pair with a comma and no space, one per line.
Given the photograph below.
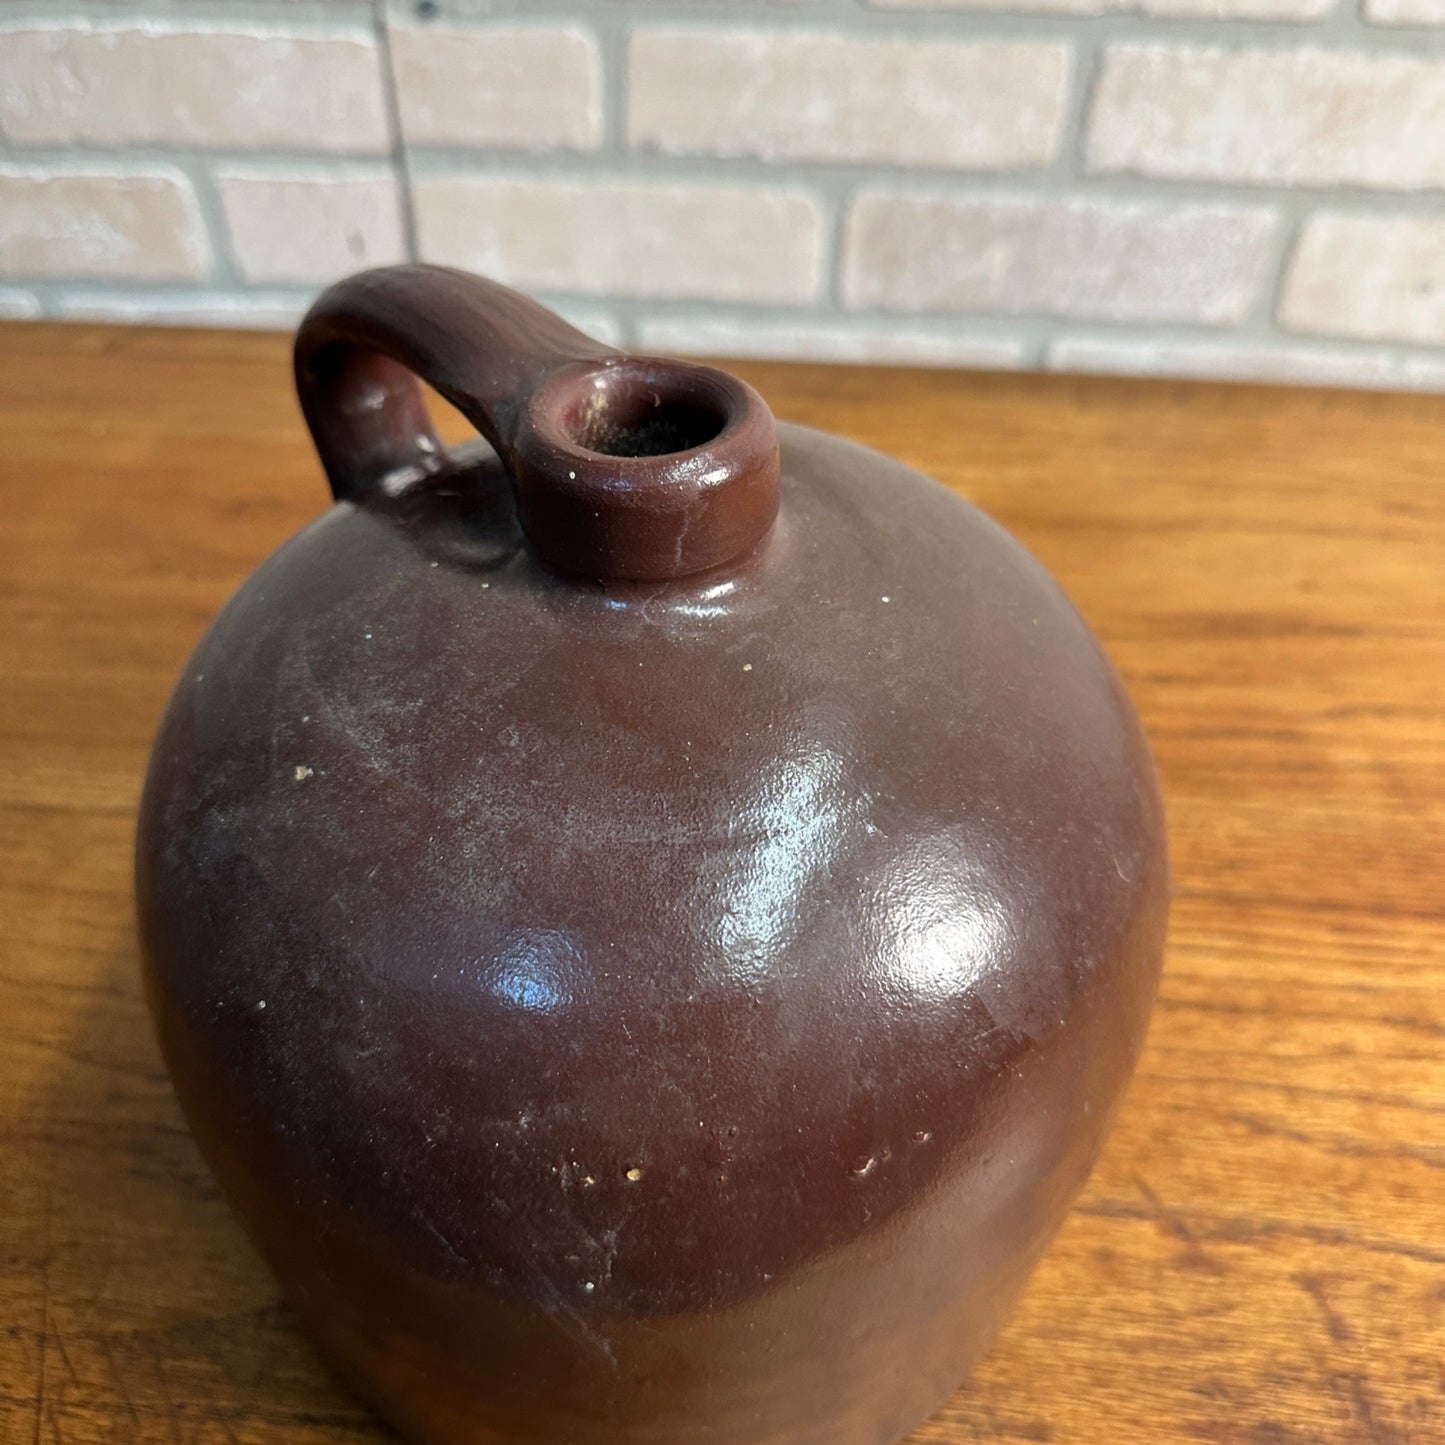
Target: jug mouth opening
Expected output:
[642,468]
[643,407]
[646,422]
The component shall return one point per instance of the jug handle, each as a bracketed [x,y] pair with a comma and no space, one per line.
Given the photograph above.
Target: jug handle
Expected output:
[624,467]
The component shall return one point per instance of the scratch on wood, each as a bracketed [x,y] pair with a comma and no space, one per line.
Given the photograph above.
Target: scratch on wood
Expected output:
[40,1400]
[1241,1229]
[1174,1225]
[173,1418]
[1356,1387]
[1281,1086]
[1335,1324]
[1334,1144]
[65,1355]
[44,1343]
[104,1342]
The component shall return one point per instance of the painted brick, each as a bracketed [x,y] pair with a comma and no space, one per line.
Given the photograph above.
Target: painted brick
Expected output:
[523,86]
[791,95]
[231,89]
[1176,9]
[823,341]
[1109,260]
[1378,277]
[1299,116]
[140,222]
[1405,12]
[626,238]
[313,225]
[1224,360]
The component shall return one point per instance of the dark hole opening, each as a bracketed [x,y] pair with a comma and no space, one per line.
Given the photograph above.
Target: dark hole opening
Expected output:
[642,422]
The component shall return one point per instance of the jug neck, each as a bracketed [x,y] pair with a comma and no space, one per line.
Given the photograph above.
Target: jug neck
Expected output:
[625,468]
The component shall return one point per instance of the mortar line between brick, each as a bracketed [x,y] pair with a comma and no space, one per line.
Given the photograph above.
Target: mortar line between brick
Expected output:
[1263,321]
[723,171]
[1341,25]
[391,106]
[1035,183]
[225,269]
[612,32]
[1338,27]
[54,290]
[1377,364]
[833,202]
[1088,64]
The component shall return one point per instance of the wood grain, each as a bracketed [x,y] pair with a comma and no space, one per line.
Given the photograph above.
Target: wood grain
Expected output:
[1260,1257]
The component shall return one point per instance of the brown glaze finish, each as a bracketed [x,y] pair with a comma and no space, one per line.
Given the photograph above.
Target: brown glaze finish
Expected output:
[642,1011]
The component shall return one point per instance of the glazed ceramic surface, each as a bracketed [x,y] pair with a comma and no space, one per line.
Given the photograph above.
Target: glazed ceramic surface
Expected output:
[649,918]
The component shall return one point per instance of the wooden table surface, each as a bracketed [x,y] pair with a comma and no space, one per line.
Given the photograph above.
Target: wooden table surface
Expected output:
[1260,1256]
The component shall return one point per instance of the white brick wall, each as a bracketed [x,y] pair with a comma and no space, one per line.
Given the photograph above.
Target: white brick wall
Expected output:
[96,223]
[803,96]
[1301,116]
[1107,260]
[524,87]
[193,88]
[1380,277]
[625,238]
[309,226]
[1213,188]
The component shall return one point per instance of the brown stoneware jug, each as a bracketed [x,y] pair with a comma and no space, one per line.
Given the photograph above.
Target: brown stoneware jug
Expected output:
[649,918]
